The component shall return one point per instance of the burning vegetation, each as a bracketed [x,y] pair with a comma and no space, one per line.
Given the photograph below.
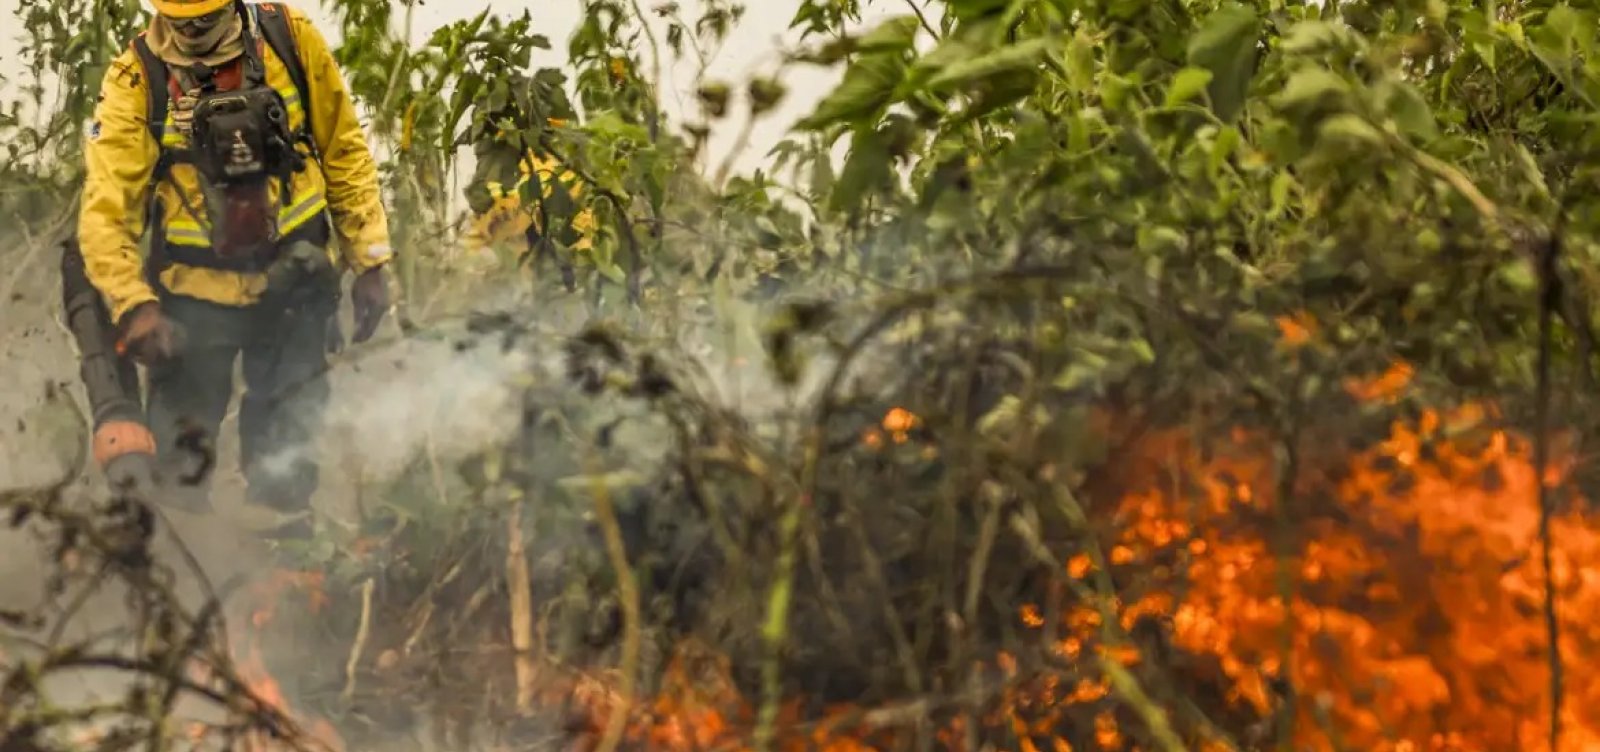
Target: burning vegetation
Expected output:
[1187,594]
[1401,611]
[1197,586]
[959,576]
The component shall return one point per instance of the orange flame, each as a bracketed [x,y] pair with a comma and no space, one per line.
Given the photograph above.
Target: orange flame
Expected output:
[252,665]
[1297,330]
[1412,611]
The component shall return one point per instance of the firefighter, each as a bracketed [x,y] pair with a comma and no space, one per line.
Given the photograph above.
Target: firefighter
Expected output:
[501,227]
[229,187]
[500,219]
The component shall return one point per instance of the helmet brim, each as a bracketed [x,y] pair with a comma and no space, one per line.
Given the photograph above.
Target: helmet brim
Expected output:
[189,8]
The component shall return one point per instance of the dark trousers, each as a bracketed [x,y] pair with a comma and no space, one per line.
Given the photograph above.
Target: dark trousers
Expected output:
[284,353]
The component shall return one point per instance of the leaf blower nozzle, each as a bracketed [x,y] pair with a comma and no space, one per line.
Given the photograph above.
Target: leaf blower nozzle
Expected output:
[118,439]
[122,441]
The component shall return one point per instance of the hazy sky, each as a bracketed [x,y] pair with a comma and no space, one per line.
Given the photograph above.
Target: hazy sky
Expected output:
[750,51]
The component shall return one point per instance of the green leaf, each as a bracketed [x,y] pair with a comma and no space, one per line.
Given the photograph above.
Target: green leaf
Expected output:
[765,94]
[1226,45]
[1308,88]
[868,85]
[1114,91]
[831,53]
[1519,276]
[1161,240]
[865,170]
[1530,169]
[1002,418]
[611,125]
[1281,185]
[1552,41]
[1485,52]
[1000,91]
[948,52]
[1005,418]
[1077,133]
[1187,84]
[967,10]
[893,35]
[1312,37]
[1562,43]
[1026,55]
[1080,62]
[1226,144]
[1087,369]
[1410,111]
[1428,241]
[1566,27]
[1140,349]
[1352,132]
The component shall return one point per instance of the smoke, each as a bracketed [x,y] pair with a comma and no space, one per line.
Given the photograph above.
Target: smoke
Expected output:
[450,397]
[453,391]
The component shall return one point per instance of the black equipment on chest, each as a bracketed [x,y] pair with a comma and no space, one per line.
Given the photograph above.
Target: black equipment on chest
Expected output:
[242,136]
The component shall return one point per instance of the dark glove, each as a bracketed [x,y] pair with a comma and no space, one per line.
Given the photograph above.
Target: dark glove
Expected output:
[369,298]
[147,335]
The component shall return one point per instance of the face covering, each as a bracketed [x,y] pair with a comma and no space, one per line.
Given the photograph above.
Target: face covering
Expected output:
[211,40]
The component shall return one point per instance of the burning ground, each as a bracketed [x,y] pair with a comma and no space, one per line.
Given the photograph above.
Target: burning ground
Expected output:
[957,576]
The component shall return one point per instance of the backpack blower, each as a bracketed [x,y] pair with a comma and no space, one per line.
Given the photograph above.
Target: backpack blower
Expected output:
[124,447]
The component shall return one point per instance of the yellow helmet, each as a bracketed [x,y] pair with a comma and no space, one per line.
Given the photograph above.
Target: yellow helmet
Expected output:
[188,8]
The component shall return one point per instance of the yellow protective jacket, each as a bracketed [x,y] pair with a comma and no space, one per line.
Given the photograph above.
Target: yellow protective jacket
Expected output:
[507,220]
[121,155]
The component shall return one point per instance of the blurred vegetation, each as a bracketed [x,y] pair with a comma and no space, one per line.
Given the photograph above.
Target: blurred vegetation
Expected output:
[1059,229]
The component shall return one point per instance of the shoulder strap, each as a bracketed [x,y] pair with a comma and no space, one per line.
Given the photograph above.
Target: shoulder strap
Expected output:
[156,81]
[157,97]
[155,76]
[273,23]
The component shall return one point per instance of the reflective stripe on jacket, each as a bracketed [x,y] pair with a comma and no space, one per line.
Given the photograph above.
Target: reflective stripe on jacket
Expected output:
[182,226]
[121,155]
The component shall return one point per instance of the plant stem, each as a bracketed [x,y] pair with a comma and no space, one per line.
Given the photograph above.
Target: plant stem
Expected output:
[1548,295]
[520,584]
[923,18]
[628,593]
[359,646]
[775,632]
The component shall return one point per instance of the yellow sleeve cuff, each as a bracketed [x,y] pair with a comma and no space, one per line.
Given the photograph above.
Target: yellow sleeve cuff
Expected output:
[374,256]
[121,307]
